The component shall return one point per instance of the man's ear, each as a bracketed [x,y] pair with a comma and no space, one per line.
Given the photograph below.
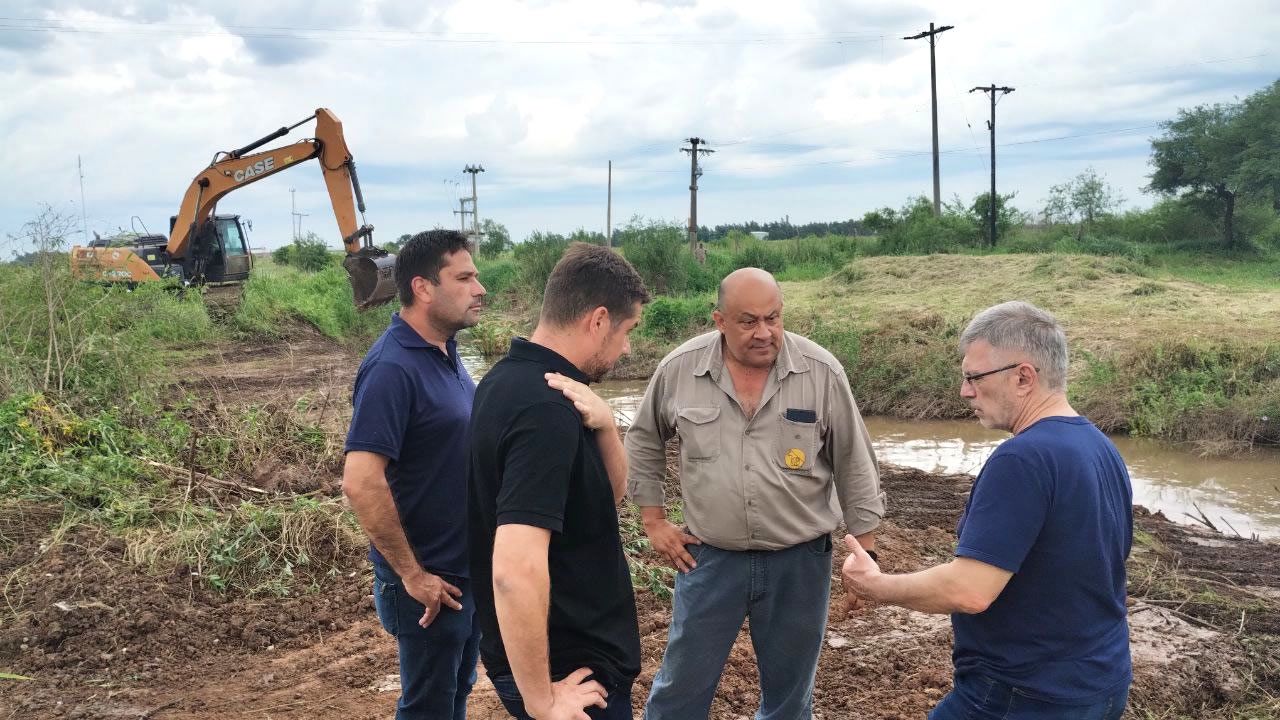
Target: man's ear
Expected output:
[718,318]
[598,320]
[423,289]
[1027,377]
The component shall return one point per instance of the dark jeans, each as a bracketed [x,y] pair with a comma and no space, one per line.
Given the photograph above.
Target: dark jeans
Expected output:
[785,593]
[978,697]
[437,664]
[619,701]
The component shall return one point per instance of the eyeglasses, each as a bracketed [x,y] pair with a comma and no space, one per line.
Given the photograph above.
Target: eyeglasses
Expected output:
[973,378]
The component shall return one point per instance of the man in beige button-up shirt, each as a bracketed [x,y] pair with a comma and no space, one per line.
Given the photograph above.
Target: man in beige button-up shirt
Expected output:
[773,454]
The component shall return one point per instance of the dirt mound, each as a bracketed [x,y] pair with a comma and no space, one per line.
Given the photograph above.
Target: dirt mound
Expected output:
[86,618]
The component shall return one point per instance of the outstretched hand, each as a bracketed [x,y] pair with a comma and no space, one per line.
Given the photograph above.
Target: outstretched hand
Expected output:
[858,570]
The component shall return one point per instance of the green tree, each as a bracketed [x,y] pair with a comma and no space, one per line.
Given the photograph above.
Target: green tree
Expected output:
[1007,216]
[1082,201]
[1260,163]
[1200,156]
[494,238]
[308,252]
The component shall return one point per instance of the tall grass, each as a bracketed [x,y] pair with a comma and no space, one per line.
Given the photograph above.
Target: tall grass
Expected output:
[277,298]
[91,344]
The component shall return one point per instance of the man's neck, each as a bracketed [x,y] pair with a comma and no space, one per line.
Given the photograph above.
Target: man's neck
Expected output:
[1037,409]
[737,369]
[560,344]
[422,325]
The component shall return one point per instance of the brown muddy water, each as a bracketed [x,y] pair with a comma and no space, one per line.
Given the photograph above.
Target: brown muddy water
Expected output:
[1239,494]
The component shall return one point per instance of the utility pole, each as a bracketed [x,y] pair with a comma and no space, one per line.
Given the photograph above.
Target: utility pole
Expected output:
[991,125]
[84,215]
[297,216]
[475,206]
[695,172]
[608,214]
[933,87]
[462,212]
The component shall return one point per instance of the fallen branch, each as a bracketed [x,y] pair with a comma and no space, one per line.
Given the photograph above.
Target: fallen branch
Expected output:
[193,474]
[1202,519]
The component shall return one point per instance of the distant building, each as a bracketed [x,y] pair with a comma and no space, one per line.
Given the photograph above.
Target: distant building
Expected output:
[760,235]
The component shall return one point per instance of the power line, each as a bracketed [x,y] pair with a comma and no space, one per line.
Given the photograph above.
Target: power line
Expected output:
[890,154]
[122,27]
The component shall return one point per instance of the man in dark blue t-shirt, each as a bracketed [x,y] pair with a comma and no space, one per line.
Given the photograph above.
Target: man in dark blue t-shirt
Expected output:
[1037,589]
[405,474]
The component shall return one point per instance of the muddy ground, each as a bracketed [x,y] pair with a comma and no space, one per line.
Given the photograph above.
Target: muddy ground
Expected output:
[100,638]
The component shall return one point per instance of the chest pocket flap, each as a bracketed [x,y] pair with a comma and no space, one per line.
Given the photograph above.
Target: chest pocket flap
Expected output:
[797,445]
[699,432]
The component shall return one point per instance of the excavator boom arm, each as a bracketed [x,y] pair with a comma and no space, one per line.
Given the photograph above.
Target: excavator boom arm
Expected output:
[370,269]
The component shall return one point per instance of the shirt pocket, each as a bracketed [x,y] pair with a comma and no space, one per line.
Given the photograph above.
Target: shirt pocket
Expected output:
[699,433]
[797,445]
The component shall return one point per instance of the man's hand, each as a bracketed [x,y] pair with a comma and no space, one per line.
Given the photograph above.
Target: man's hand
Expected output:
[858,570]
[669,541]
[432,592]
[596,412]
[570,697]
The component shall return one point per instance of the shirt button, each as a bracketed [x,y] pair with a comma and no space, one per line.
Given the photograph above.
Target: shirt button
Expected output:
[797,437]
[746,467]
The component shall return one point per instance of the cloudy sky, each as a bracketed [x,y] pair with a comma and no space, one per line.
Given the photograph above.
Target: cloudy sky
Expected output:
[817,110]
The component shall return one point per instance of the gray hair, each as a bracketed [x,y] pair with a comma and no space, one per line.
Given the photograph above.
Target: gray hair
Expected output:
[1023,327]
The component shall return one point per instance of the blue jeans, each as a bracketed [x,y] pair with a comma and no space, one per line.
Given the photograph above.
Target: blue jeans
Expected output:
[618,702]
[978,697]
[785,593]
[438,663]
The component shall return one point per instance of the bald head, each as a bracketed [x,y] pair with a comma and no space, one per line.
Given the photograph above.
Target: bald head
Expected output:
[749,282]
[749,317]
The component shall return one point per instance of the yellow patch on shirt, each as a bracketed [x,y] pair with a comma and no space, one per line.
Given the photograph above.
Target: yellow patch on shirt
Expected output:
[794,458]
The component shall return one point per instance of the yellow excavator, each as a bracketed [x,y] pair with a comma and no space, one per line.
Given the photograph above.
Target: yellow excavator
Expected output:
[206,248]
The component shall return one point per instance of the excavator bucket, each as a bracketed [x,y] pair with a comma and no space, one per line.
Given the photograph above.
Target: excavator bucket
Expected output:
[373,277]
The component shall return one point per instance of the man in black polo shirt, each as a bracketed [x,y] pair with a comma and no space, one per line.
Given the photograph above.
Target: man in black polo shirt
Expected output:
[405,474]
[553,592]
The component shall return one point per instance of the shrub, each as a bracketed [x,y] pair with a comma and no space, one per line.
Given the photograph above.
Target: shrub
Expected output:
[915,231]
[660,253]
[498,276]
[759,254]
[307,253]
[676,319]
[536,257]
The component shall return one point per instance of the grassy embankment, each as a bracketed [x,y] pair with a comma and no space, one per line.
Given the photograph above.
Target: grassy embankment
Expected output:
[1177,346]
[101,423]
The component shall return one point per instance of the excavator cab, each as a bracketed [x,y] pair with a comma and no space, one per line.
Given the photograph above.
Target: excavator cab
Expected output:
[220,252]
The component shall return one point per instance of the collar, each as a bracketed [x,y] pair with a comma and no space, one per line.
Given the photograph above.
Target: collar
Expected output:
[524,349]
[789,360]
[409,338]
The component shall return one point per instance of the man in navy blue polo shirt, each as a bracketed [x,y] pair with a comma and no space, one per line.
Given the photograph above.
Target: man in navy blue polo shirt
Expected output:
[405,474]
[1037,588]
[553,591]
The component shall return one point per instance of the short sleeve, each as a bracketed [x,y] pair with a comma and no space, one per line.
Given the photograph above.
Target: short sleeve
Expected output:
[1006,512]
[539,452]
[382,403]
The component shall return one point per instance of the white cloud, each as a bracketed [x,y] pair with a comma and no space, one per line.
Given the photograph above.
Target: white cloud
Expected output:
[817,109]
